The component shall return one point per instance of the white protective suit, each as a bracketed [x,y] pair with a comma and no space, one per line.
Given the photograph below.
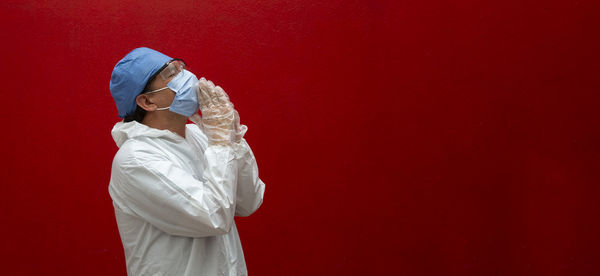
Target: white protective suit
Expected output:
[175,200]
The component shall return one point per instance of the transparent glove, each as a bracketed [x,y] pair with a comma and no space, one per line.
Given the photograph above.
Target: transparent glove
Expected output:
[238,130]
[218,115]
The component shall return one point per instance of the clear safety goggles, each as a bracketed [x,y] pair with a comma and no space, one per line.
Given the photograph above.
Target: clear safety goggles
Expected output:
[171,69]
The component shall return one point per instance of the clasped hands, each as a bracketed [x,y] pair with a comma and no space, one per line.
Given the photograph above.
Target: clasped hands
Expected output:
[219,121]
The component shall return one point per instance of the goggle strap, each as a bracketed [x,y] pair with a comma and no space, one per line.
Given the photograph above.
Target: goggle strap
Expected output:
[157,90]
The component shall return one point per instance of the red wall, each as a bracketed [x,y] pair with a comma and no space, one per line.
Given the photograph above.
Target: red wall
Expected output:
[395,137]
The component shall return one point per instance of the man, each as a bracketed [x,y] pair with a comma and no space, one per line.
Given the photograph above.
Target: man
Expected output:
[176,186]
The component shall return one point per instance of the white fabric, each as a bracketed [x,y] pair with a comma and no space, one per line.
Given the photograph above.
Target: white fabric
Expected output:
[175,200]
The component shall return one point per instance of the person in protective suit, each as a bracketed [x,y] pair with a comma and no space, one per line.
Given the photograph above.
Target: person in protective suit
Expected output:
[176,187]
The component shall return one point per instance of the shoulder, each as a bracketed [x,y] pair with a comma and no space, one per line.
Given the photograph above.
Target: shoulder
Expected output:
[135,152]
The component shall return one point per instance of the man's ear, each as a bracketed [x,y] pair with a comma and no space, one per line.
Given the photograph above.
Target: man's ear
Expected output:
[145,103]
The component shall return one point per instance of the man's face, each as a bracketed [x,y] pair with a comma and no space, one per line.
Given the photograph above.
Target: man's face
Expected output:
[158,97]
[164,97]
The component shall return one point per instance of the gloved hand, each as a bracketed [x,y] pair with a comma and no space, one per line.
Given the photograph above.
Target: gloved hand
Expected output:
[219,121]
[238,130]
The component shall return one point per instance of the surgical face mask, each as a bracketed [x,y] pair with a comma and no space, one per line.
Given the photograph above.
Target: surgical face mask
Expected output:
[186,99]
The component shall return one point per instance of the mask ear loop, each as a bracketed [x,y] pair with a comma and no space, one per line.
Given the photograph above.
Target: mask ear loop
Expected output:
[158,90]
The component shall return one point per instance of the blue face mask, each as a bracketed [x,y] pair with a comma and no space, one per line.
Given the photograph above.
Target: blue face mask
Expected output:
[186,99]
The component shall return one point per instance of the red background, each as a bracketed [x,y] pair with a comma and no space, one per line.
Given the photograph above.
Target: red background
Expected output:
[394,137]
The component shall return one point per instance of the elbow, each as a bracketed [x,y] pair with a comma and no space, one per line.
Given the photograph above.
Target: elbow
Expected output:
[218,231]
[221,221]
[215,224]
[222,229]
[245,212]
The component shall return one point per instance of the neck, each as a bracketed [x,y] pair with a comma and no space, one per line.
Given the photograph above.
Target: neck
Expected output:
[166,120]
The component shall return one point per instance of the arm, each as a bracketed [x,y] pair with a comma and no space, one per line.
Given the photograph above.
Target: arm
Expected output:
[150,186]
[250,189]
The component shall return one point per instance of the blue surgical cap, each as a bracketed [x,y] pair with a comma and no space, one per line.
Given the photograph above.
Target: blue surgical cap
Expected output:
[130,76]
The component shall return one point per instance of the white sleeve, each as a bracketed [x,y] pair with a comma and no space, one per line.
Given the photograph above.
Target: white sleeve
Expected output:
[150,186]
[250,189]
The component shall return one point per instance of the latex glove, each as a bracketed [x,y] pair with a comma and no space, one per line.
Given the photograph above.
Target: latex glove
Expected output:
[238,130]
[218,114]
